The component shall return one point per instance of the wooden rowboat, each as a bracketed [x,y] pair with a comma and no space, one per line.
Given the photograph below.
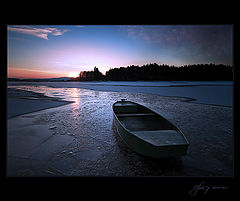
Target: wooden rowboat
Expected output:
[146,132]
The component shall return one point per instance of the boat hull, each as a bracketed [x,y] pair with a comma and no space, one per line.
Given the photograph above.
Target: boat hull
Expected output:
[145,148]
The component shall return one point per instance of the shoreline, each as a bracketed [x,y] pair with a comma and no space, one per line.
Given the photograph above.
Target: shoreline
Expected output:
[79,139]
[23,102]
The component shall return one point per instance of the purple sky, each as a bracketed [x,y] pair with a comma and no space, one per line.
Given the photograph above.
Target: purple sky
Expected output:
[43,51]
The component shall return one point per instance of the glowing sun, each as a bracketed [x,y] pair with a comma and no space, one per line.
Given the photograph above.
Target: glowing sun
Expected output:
[73,74]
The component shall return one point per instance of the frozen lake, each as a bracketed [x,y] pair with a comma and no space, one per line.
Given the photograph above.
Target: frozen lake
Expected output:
[204,92]
[79,138]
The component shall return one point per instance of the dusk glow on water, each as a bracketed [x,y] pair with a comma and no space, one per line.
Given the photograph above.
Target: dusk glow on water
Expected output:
[47,51]
[215,93]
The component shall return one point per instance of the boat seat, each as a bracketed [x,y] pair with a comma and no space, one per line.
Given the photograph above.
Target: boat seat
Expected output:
[135,114]
[161,137]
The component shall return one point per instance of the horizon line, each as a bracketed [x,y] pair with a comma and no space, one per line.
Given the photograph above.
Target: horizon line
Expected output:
[124,67]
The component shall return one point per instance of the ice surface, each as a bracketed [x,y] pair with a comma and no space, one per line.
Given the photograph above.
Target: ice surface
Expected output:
[21,102]
[84,142]
[206,92]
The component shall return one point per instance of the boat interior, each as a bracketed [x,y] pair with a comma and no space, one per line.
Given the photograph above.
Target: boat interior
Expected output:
[147,124]
[138,118]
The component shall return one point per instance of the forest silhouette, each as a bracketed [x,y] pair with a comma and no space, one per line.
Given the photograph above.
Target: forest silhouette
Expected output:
[152,72]
[156,72]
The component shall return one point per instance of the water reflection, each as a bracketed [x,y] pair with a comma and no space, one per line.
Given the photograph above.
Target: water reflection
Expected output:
[67,94]
[74,94]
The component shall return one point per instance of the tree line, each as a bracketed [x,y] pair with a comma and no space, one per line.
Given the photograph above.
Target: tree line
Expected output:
[90,75]
[152,72]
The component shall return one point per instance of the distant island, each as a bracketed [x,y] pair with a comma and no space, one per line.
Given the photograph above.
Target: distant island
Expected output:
[152,72]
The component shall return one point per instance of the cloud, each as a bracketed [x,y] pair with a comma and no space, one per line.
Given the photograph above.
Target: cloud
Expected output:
[37,31]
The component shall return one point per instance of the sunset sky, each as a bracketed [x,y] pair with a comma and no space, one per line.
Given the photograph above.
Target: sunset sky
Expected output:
[48,51]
